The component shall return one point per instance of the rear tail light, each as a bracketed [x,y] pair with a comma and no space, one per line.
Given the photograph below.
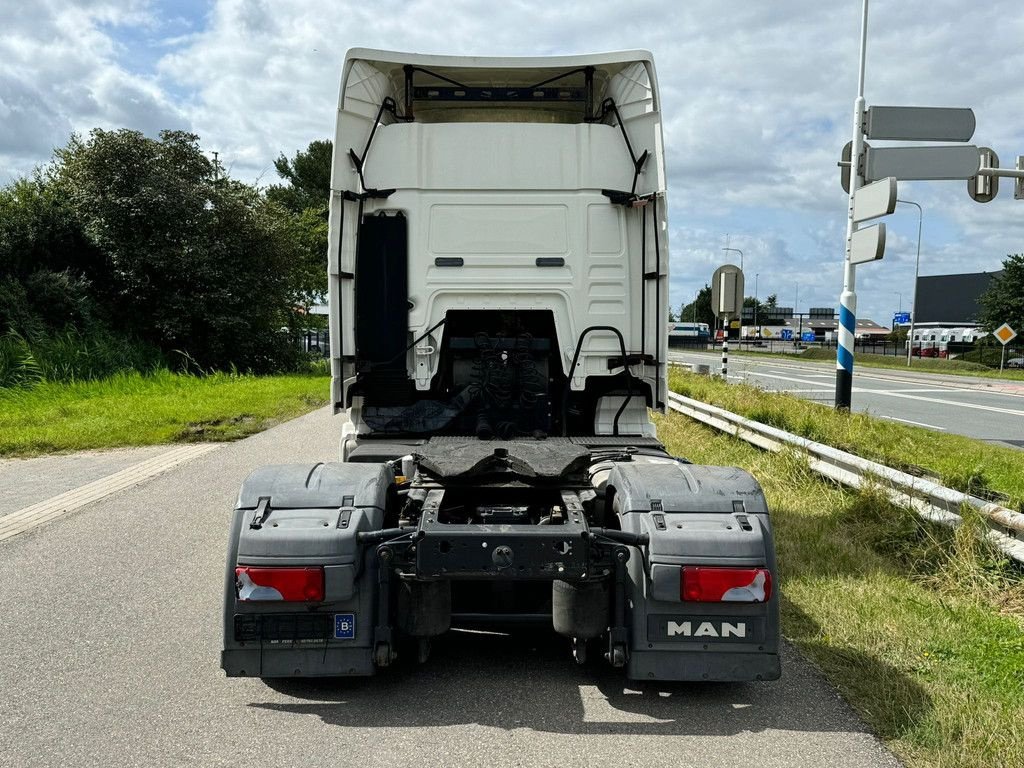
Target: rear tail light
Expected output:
[302,585]
[704,584]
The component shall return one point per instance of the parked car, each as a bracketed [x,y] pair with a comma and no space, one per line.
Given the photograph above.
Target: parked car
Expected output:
[1015,362]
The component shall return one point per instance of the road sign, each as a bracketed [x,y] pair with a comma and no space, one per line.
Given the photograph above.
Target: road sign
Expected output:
[874,200]
[920,123]
[1005,334]
[844,166]
[807,336]
[867,244]
[921,163]
[786,334]
[727,291]
[983,189]
[901,318]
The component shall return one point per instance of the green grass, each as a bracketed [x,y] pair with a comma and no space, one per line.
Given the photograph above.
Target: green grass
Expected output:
[72,356]
[919,628]
[959,462]
[163,407]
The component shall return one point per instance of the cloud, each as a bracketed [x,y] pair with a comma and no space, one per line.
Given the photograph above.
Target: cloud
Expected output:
[59,72]
[757,103]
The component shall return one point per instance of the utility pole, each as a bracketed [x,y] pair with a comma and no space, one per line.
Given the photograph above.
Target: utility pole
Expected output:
[757,328]
[917,270]
[848,299]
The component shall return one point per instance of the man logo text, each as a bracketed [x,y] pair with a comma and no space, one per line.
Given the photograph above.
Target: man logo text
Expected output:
[707,629]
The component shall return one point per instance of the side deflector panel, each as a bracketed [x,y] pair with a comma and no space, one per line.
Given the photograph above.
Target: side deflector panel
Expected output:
[382,294]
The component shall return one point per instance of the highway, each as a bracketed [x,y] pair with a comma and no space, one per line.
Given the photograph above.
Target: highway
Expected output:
[110,634]
[986,409]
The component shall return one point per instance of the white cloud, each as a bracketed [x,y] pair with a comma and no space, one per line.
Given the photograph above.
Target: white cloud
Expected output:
[757,96]
[59,72]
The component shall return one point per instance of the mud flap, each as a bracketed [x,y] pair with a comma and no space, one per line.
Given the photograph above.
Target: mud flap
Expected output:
[711,517]
[305,516]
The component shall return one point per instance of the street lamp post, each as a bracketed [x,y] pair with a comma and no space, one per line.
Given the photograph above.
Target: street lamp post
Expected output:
[917,269]
[736,250]
[757,328]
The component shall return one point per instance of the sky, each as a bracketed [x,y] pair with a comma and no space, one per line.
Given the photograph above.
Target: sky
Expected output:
[757,104]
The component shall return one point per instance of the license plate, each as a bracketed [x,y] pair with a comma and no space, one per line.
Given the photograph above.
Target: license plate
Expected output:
[344,626]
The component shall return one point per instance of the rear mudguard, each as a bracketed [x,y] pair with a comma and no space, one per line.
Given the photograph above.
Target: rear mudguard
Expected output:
[306,515]
[705,516]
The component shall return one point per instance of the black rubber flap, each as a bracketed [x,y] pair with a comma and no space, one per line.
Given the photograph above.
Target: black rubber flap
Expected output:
[458,456]
[382,294]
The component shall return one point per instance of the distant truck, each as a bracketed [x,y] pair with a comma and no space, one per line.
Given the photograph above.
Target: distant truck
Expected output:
[498,280]
[683,334]
[944,342]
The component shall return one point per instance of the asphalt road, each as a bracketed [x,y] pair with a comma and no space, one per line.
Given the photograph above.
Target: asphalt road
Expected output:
[985,409]
[110,633]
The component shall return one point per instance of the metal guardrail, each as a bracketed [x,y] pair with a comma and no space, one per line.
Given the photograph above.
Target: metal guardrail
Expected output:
[930,500]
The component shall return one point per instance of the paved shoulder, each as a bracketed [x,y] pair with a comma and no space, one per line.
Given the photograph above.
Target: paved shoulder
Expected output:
[110,635]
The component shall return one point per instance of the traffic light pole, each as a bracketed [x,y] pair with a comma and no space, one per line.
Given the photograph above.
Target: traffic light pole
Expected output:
[848,298]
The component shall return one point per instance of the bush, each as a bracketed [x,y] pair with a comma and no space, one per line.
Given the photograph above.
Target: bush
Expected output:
[71,356]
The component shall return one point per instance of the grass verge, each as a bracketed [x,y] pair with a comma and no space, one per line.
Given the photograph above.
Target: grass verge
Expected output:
[134,409]
[919,628]
[959,462]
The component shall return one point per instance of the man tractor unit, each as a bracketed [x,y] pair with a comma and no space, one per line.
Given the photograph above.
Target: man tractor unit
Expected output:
[498,285]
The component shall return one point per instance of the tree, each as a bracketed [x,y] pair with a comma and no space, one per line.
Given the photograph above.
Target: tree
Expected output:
[1003,302]
[306,196]
[309,178]
[198,264]
[47,265]
[698,310]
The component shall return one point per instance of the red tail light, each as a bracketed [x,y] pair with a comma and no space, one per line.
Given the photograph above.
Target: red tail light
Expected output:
[303,585]
[704,584]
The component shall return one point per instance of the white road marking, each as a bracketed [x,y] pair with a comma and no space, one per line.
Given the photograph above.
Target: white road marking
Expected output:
[955,403]
[889,393]
[908,421]
[926,391]
[27,518]
[802,391]
[809,369]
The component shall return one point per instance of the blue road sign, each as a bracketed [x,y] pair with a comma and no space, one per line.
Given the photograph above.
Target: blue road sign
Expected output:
[901,317]
[787,335]
[807,336]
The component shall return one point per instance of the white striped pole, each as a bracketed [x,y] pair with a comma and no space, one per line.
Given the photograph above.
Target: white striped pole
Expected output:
[848,298]
[725,355]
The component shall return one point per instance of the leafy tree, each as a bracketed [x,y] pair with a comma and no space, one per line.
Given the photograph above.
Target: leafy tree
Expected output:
[1003,302]
[197,264]
[699,310]
[306,196]
[47,265]
[308,177]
